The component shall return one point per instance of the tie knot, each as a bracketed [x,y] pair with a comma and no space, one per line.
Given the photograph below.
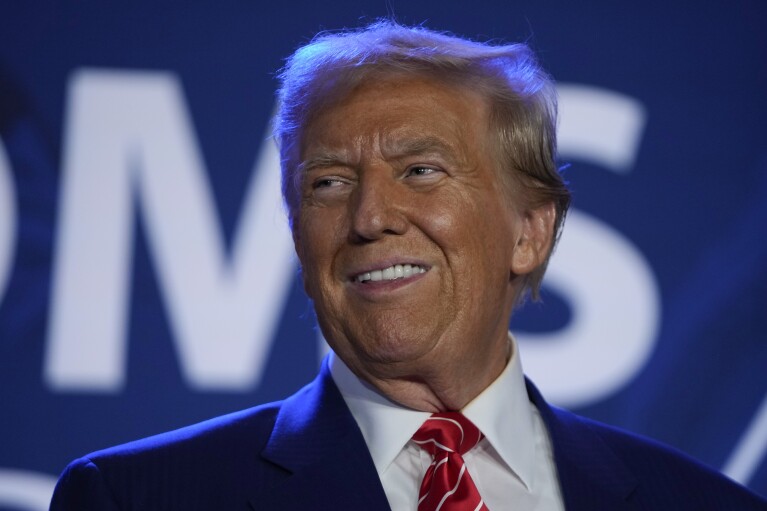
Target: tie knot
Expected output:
[447,432]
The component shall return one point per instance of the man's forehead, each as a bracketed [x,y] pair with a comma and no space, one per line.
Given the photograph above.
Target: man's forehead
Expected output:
[405,142]
[401,142]
[396,145]
[396,120]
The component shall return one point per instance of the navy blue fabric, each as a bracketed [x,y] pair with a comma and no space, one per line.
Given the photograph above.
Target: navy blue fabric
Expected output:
[303,453]
[308,453]
[601,467]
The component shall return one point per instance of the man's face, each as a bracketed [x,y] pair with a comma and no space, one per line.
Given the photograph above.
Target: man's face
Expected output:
[407,238]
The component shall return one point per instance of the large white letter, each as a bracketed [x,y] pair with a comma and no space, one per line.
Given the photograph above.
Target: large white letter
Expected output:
[599,126]
[615,307]
[608,284]
[129,135]
[7,219]
[21,489]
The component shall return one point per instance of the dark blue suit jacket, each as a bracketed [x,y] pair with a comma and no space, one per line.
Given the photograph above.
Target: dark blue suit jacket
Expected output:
[307,453]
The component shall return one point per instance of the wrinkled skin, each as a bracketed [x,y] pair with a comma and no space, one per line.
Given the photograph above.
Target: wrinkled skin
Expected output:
[401,171]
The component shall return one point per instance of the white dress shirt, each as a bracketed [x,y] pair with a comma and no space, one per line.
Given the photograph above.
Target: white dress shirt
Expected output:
[513,466]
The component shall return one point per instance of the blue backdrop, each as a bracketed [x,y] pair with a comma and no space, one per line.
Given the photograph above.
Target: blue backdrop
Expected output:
[146,274]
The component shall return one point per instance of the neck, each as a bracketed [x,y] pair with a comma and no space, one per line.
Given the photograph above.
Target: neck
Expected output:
[437,387]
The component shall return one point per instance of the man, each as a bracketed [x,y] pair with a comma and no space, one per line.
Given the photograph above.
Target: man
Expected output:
[424,200]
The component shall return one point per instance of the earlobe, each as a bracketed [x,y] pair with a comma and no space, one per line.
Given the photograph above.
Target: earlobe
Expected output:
[535,239]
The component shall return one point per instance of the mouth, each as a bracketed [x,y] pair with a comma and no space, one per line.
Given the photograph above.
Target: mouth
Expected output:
[393,272]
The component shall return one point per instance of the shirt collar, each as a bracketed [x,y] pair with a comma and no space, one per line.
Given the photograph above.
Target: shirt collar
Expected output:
[502,412]
[385,425]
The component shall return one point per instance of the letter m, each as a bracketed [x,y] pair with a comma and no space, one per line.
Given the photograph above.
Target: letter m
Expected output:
[130,144]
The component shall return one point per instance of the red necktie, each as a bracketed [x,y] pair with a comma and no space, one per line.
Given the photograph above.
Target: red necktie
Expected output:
[447,485]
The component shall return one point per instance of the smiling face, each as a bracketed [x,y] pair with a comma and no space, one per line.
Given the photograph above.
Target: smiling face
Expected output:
[408,241]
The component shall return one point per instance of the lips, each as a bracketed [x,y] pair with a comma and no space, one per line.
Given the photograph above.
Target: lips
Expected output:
[393,272]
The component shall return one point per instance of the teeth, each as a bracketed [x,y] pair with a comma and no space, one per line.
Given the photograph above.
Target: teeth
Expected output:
[398,271]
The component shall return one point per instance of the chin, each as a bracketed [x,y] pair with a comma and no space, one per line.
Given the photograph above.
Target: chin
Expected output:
[386,341]
[396,350]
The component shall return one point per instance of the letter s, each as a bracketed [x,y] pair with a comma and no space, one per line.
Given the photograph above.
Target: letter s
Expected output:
[603,276]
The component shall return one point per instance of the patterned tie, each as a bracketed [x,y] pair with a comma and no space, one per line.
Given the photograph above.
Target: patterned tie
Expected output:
[447,486]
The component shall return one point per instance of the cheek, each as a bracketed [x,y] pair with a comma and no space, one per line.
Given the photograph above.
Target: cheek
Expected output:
[450,213]
[477,236]
[460,225]
[319,230]
[319,241]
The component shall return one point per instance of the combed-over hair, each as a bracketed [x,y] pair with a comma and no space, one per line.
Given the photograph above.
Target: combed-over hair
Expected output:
[521,95]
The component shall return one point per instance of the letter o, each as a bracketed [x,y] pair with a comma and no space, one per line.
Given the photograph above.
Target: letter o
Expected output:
[22,489]
[7,219]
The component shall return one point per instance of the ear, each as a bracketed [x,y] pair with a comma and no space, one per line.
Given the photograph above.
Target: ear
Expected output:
[535,239]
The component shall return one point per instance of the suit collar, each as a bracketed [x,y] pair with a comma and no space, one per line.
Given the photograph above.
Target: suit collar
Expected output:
[315,438]
[501,411]
[591,475]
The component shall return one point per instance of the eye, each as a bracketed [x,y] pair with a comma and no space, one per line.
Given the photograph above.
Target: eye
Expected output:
[327,187]
[420,170]
[326,182]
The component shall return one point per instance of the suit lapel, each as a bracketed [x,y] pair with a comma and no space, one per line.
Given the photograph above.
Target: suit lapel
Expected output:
[591,476]
[316,439]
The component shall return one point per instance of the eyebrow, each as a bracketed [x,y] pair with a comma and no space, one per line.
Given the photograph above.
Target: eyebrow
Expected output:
[400,147]
[411,146]
[323,158]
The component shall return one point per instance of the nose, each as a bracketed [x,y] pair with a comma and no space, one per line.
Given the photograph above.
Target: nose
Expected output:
[377,207]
